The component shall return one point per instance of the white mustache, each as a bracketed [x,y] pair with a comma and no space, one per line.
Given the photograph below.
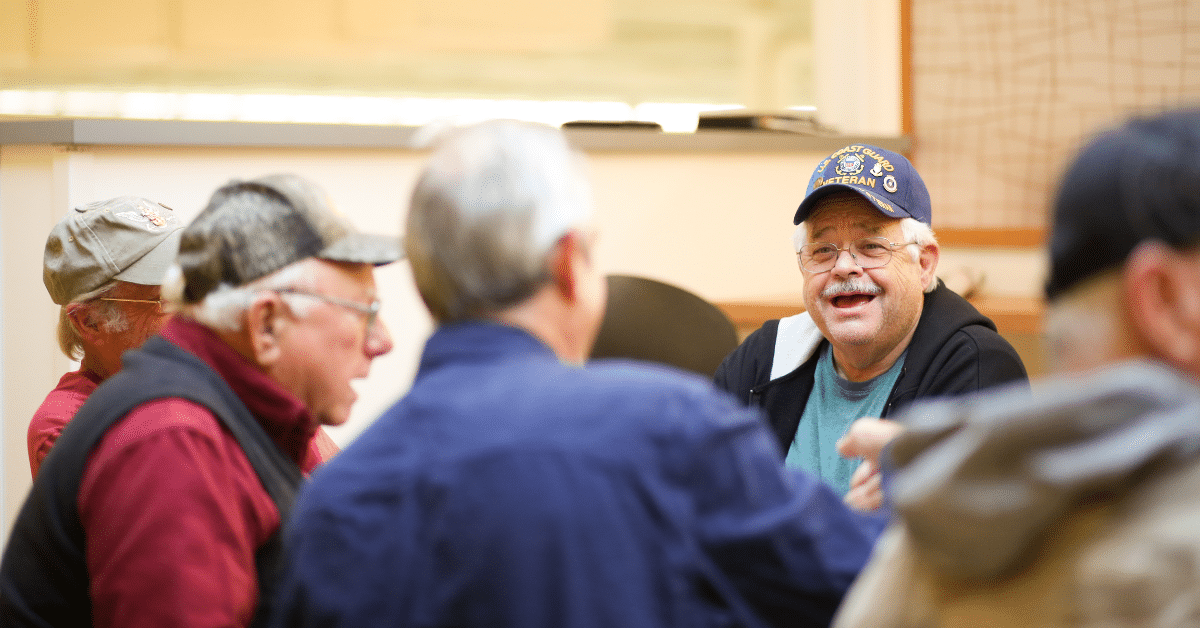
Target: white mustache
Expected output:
[859,285]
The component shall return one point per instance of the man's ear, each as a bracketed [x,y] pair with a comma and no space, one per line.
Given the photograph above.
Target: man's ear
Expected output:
[264,322]
[84,320]
[566,263]
[928,261]
[1162,294]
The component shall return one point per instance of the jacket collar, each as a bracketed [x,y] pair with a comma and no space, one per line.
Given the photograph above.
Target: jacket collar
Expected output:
[942,315]
[480,342]
[283,416]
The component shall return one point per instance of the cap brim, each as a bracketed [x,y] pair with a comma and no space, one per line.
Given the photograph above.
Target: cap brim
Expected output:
[363,248]
[810,202]
[152,267]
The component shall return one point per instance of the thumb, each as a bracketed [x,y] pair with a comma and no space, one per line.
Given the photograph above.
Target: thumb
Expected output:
[867,437]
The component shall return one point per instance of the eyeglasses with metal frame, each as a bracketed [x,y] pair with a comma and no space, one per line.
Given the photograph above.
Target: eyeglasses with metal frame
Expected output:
[370,310]
[157,302]
[873,252]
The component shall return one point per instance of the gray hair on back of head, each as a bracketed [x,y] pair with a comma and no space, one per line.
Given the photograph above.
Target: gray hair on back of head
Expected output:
[490,205]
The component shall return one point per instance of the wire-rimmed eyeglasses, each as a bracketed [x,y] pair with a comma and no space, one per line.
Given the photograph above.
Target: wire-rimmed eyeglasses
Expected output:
[158,302]
[873,252]
[370,310]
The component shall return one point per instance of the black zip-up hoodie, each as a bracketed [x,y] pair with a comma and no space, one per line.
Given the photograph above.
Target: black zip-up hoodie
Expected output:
[954,350]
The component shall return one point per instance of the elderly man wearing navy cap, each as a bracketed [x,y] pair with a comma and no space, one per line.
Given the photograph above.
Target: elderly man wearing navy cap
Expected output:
[879,329]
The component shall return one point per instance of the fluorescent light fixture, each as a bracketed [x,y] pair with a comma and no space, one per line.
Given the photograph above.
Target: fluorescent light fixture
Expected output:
[676,117]
[145,105]
[379,110]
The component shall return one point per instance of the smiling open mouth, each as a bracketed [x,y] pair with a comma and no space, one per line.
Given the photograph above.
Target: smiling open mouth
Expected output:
[851,300]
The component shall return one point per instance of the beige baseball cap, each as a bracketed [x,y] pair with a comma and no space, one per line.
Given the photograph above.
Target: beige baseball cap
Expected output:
[127,238]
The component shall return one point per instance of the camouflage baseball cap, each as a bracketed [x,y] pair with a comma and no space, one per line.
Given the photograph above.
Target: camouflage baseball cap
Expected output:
[251,229]
[127,238]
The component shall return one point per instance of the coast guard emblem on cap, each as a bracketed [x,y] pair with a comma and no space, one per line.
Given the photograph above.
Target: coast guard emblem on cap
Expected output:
[849,164]
[877,170]
[889,184]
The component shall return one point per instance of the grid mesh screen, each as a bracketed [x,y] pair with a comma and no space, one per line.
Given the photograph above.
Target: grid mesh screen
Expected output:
[1004,92]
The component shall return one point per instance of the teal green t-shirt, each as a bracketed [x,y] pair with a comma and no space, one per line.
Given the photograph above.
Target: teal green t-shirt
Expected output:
[832,406]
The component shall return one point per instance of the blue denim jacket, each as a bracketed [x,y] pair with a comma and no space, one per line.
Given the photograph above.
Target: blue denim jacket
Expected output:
[510,489]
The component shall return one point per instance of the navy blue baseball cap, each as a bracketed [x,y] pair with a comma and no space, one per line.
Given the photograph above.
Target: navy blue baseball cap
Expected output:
[1137,182]
[884,178]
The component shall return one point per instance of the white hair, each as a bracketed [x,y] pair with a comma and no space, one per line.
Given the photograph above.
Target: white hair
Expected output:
[491,203]
[916,232]
[224,308]
[107,315]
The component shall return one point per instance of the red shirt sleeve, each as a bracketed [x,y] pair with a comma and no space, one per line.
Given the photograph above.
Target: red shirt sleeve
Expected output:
[40,440]
[173,513]
[56,411]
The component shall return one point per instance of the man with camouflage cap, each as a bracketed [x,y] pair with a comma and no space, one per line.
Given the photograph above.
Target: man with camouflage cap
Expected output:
[104,263]
[161,502]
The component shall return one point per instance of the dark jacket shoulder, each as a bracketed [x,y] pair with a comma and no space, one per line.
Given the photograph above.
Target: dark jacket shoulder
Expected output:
[955,349]
[750,363]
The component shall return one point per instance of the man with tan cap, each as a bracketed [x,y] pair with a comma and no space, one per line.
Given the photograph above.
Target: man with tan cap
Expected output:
[104,263]
[161,502]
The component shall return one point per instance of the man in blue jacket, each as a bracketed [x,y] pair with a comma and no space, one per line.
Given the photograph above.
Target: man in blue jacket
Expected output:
[879,329]
[513,486]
